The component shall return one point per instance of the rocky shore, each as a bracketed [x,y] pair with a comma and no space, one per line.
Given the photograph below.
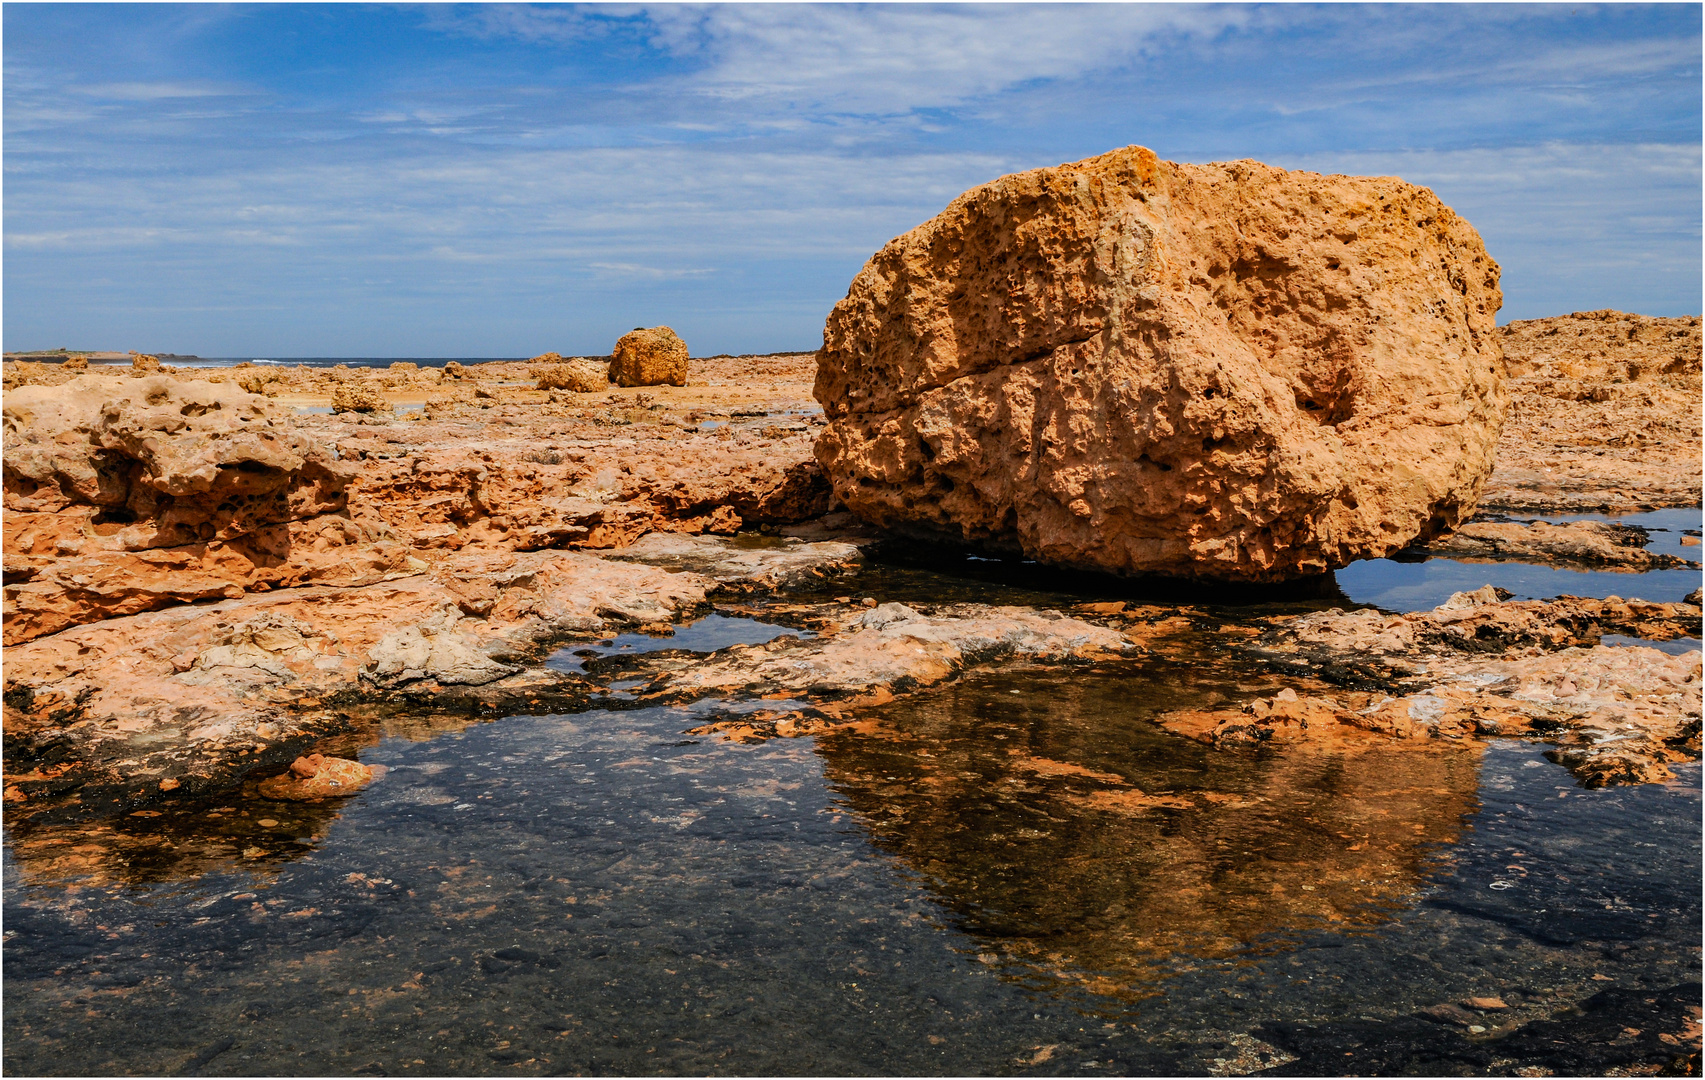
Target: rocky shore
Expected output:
[203,582]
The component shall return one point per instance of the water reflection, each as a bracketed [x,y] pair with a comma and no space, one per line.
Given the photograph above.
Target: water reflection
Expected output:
[242,833]
[1085,843]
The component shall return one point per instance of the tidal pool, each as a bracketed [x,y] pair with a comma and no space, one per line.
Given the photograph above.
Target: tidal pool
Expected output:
[1015,873]
[1419,585]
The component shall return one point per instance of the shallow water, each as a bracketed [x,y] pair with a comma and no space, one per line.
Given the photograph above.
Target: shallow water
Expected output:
[949,892]
[1422,585]
[705,635]
[1015,872]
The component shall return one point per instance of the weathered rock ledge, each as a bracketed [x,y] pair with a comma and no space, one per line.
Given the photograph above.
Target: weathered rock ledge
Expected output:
[1478,665]
[202,585]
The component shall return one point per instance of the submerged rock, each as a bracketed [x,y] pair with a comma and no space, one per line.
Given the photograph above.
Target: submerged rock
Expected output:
[316,776]
[1221,371]
[1479,665]
[654,357]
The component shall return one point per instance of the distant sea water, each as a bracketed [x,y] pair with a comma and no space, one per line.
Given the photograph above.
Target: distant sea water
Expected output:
[324,361]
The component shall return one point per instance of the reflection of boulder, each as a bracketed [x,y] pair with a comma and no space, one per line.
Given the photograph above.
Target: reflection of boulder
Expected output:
[1226,371]
[1073,833]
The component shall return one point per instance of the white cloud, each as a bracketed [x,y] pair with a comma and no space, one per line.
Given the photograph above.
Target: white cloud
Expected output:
[153,91]
[650,273]
[865,59]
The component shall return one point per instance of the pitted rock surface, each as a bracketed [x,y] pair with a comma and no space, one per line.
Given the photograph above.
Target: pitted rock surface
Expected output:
[1221,371]
[123,496]
[649,357]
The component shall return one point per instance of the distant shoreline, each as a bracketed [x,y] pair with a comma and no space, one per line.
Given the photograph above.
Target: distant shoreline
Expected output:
[111,358]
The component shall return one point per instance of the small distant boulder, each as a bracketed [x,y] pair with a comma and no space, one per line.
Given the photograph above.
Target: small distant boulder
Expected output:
[576,375]
[76,363]
[144,364]
[352,396]
[547,358]
[649,357]
[452,370]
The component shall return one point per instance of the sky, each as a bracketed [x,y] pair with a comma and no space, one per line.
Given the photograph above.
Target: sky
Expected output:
[427,181]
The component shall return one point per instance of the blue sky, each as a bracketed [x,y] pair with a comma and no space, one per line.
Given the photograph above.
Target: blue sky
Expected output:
[496,181]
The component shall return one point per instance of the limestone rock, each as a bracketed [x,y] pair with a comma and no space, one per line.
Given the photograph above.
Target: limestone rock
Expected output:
[1604,414]
[315,776]
[1596,544]
[432,649]
[580,377]
[452,370]
[137,449]
[785,564]
[128,495]
[1221,371]
[350,396]
[654,357]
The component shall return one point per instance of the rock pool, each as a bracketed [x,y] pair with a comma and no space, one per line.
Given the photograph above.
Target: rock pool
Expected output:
[1013,872]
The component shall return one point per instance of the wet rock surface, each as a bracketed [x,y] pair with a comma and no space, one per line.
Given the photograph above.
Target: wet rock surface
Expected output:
[1480,666]
[1135,366]
[316,776]
[198,697]
[1595,544]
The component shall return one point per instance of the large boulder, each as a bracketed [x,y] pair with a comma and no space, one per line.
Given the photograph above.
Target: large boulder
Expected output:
[1222,371]
[649,357]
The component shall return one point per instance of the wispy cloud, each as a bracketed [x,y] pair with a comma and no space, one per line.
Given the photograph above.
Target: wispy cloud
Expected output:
[153,91]
[446,177]
[652,273]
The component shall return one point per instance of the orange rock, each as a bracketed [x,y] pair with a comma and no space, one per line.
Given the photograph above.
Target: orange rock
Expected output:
[1604,414]
[1223,371]
[581,378]
[654,357]
[317,777]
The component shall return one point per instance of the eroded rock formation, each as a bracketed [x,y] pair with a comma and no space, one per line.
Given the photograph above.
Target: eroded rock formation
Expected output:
[126,496]
[1223,371]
